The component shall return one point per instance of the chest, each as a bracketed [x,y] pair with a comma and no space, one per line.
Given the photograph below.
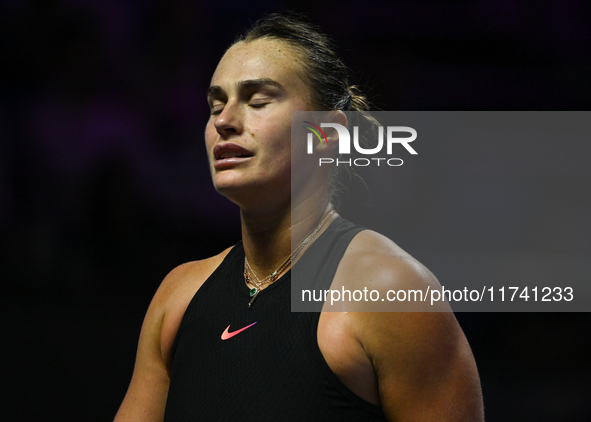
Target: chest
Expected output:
[265,355]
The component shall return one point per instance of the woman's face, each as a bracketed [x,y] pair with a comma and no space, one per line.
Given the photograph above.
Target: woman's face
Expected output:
[253,91]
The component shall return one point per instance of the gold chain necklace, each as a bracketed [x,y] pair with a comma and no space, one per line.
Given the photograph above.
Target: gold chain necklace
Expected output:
[254,280]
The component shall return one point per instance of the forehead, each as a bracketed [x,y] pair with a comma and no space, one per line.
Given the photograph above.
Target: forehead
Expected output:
[260,59]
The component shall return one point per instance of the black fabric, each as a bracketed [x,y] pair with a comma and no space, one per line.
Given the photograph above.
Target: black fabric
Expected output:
[274,369]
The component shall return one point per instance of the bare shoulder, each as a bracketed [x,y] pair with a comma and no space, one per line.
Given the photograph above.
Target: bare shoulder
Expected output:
[373,250]
[186,277]
[146,396]
[423,363]
[374,262]
[175,293]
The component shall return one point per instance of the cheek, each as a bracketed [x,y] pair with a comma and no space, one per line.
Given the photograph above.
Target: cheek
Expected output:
[210,135]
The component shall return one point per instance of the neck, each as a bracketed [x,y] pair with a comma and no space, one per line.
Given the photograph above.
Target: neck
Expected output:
[270,237]
[266,238]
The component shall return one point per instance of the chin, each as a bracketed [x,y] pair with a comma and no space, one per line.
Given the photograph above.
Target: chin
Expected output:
[235,180]
[228,188]
[231,185]
[248,194]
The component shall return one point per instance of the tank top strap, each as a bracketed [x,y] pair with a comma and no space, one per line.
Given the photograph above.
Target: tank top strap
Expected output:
[317,267]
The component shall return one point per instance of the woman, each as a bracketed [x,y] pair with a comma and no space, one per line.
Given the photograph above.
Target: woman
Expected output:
[219,341]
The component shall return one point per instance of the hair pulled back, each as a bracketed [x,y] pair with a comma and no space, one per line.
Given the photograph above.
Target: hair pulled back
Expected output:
[327,74]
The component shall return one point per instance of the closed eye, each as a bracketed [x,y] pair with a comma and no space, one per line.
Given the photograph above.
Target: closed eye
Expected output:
[216,107]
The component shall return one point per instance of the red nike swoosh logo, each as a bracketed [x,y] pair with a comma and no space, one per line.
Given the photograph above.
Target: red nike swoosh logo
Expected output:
[227,334]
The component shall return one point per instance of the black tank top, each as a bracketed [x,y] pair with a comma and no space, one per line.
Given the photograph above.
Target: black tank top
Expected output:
[269,367]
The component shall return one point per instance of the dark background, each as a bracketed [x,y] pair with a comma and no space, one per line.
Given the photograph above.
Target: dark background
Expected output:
[104,184]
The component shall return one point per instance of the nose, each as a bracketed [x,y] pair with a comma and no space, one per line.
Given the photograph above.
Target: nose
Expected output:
[229,121]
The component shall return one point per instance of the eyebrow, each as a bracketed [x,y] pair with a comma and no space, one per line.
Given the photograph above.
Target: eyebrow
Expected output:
[216,90]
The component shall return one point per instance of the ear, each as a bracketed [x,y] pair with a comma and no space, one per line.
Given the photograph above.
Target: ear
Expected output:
[332,136]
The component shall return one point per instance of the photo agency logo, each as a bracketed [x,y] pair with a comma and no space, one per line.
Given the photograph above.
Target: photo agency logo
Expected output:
[390,133]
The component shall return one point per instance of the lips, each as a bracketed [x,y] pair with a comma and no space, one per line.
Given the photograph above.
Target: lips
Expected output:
[229,154]
[229,150]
